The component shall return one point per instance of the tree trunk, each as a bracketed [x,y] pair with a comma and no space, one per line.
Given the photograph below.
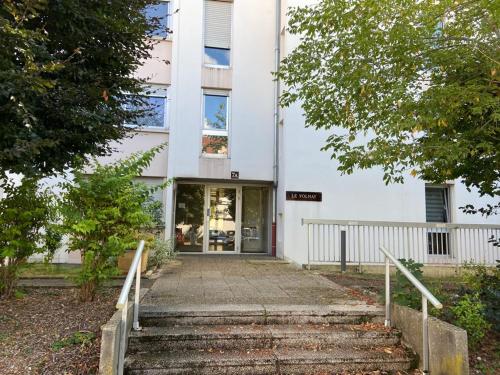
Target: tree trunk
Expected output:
[88,290]
[8,279]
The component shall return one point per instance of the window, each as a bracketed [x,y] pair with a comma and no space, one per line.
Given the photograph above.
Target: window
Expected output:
[437,211]
[159,14]
[436,204]
[215,123]
[218,19]
[154,109]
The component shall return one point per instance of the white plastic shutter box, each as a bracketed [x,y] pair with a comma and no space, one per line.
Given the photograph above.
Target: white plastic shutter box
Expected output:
[218,15]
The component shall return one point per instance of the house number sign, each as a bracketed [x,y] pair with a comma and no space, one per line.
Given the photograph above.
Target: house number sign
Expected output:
[304,196]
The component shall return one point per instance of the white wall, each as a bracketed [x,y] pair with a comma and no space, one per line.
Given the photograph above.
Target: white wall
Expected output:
[140,142]
[253,89]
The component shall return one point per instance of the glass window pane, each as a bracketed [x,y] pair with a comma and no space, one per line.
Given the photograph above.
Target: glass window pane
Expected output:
[189,216]
[154,117]
[222,221]
[254,219]
[215,112]
[158,13]
[217,56]
[214,144]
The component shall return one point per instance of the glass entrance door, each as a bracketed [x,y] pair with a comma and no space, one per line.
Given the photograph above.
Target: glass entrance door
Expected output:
[222,218]
[254,219]
[189,218]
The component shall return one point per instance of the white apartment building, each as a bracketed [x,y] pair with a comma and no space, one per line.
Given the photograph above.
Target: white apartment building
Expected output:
[246,173]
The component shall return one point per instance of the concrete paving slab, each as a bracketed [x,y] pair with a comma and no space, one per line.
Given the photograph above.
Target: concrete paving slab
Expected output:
[246,280]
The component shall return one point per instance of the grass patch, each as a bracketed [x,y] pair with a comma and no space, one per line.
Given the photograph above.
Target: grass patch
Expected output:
[82,338]
[47,270]
[19,294]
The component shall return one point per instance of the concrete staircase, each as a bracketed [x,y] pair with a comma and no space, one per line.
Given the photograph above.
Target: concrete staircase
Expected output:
[265,340]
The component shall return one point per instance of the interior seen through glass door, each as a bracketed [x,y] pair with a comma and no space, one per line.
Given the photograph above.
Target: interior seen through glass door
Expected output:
[254,219]
[222,220]
[189,218]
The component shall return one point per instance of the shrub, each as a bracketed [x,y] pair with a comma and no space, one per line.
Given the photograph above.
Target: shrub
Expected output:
[27,212]
[161,252]
[469,314]
[105,215]
[485,281]
[404,292]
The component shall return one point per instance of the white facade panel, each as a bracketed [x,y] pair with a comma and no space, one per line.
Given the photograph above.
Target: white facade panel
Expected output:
[252,95]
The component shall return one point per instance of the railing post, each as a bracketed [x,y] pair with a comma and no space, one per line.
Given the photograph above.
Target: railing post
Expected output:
[123,338]
[136,325]
[387,293]
[308,249]
[343,245]
[425,334]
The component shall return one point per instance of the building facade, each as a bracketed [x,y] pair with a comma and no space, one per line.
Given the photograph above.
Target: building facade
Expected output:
[244,172]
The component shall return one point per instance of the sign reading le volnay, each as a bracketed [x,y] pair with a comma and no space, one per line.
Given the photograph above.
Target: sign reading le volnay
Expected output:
[303,196]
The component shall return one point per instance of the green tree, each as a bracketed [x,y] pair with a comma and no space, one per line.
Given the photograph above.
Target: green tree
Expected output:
[27,217]
[408,86]
[105,213]
[66,68]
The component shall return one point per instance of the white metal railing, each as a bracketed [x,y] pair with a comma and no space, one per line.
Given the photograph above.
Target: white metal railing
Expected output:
[357,242]
[426,296]
[122,305]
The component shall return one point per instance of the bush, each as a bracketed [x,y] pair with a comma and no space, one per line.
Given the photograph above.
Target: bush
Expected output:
[105,215]
[469,314]
[405,293]
[485,282]
[161,252]
[27,215]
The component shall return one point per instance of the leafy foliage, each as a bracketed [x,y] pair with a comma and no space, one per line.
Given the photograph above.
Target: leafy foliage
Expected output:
[27,214]
[104,213]
[485,283]
[404,292]
[65,69]
[161,252]
[469,314]
[81,338]
[409,86]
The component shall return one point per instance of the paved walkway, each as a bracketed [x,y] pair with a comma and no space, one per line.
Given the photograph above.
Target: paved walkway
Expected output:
[249,280]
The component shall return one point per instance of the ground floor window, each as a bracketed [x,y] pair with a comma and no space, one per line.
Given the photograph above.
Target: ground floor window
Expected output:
[224,218]
[437,211]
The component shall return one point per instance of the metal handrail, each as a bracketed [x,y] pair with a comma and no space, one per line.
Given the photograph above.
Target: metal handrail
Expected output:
[426,296]
[122,304]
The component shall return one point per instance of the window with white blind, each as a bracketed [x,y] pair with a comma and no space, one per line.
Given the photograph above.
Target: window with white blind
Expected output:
[218,23]
[437,211]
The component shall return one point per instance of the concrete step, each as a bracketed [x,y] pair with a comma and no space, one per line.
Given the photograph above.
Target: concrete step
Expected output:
[250,336]
[269,361]
[157,315]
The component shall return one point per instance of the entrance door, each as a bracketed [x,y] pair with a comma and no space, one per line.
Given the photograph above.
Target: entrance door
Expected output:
[190,218]
[254,219]
[222,219]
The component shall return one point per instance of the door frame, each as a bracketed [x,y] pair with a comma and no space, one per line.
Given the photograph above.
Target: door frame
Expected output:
[206,221]
[206,203]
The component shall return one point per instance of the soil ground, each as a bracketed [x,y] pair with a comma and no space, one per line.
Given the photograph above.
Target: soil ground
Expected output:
[484,360]
[48,331]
